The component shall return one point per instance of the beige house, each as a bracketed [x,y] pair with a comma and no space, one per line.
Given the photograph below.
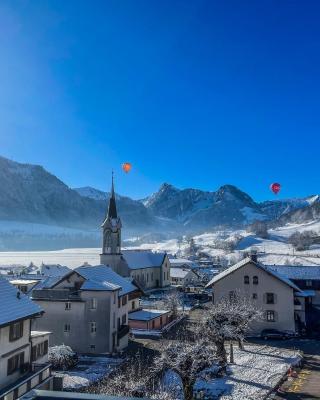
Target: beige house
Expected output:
[91,305]
[23,352]
[273,293]
[150,270]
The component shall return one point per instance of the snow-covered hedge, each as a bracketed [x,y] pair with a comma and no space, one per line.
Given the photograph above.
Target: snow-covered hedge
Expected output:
[62,357]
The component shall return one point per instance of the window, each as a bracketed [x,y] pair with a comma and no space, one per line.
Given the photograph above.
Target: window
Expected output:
[124,319]
[254,296]
[39,350]
[269,298]
[308,282]
[270,316]
[133,305]
[255,280]
[124,300]
[119,302]
[14,363]
[93,327]
[67,305]
[246,280]
[152,276]
[93,303]
[92,347]
[16,331]
[67,328]
[153,324]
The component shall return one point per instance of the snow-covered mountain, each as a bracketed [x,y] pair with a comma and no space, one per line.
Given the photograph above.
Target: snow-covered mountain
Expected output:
[199,209]
[30,194]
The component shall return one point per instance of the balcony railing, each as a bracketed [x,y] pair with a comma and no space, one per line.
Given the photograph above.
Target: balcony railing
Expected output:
[31,380]
[56,294]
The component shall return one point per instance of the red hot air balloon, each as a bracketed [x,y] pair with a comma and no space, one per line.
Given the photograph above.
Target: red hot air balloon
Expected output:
[126,167]
[275,187]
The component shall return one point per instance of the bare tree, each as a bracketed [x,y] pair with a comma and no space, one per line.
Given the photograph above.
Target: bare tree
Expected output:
[189,360]
[259,228]
[302,240]
[229,319]
[173,301]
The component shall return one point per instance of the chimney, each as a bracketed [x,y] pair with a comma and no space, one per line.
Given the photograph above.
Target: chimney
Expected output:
[253,255]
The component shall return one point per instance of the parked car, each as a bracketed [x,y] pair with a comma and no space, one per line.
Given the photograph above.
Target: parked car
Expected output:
[292,334]
[274,334]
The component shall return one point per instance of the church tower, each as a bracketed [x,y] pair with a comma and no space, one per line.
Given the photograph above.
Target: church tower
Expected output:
[111,227]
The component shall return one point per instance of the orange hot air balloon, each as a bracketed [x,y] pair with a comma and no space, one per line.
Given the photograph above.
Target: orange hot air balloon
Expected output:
[126,167]
[275,187]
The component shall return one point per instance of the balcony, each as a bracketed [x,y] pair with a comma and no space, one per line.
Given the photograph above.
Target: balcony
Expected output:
[40,374]
[122,331]
[56,294]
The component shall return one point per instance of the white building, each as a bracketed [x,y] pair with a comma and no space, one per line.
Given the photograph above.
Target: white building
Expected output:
[273,293]
[23,352]
[91,304]
[184,277]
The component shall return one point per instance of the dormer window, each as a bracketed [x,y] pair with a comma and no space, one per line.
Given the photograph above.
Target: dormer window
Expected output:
[255,280]
[246,280]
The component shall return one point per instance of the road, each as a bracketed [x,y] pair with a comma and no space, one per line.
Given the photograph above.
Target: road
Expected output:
[305,384]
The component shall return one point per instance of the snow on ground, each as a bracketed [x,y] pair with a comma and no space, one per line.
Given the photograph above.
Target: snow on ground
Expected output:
[256,370]
[274,250]
[88,371]
[70,257]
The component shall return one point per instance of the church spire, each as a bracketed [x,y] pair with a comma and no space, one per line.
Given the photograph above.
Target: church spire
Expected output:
[112,209]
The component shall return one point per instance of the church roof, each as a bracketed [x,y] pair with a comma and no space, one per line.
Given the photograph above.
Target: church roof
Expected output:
[140,259]
[112,209]
[102,277]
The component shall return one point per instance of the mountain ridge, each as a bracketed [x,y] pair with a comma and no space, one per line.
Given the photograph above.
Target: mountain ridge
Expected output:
[32,194]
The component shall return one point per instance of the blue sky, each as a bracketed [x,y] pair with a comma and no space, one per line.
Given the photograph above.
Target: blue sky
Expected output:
[195,93]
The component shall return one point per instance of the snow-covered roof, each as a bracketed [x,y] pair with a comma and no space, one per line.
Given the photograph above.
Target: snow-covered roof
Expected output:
[137,259]
[12,307]
[306,293]
[297,272]
[246,261]
[54,270]
[23,281]
[179,272]
[181,261]
[102,277]
[146,314]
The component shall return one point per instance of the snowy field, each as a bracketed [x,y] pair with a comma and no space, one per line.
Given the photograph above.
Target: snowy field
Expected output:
[274,250]
[256,371]
[88,371]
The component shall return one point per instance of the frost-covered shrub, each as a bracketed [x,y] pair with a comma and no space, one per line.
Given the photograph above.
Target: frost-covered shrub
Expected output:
[62,357]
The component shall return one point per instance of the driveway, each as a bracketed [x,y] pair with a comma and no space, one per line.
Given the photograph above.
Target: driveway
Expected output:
[305,384]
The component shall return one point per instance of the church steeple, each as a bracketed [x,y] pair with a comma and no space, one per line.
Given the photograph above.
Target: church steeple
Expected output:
[112,210]
[112,227]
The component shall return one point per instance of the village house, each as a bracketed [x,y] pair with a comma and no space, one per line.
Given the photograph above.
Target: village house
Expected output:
[184,277]
[149,319]
[277,296]
[307,278]
[23,352]
[150,270]
[91,304]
